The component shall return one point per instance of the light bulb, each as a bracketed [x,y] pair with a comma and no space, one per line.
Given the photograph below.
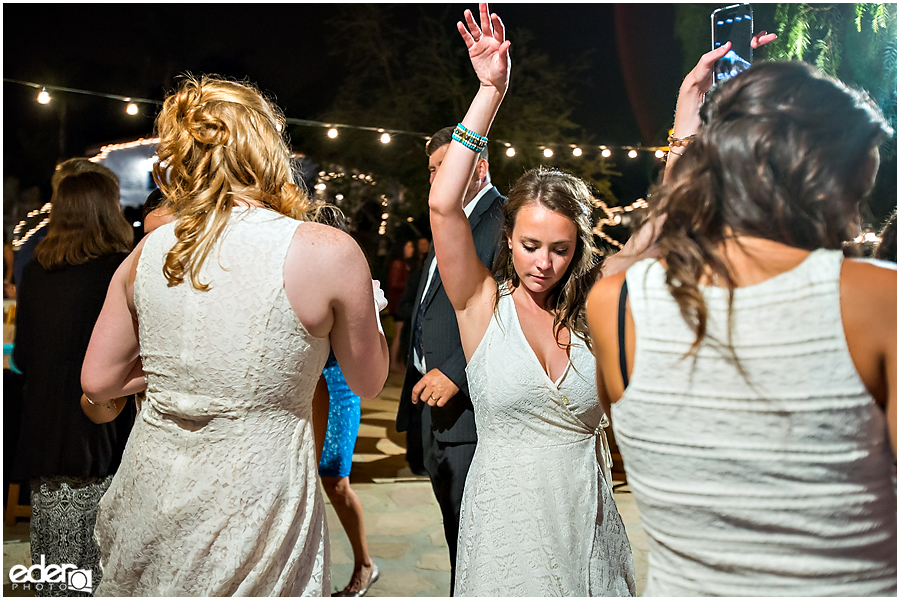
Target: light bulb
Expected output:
[632,154]
[332,133]
[606,153]
[659,154]
[132,108]
[510,151]
[385,138]
[548,152]
[43,97]
[576,152]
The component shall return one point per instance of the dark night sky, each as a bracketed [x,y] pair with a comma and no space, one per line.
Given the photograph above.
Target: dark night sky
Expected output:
[137,50]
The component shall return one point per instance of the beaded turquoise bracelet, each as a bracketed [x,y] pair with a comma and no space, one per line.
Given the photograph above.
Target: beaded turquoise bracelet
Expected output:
[469,139]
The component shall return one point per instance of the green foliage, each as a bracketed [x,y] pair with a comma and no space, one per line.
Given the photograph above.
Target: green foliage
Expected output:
[856,43]
[420,79]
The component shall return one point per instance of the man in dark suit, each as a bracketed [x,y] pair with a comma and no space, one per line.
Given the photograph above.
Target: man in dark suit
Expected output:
[435,399]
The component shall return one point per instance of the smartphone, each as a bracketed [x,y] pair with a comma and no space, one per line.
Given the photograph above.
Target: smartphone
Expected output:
[732,24]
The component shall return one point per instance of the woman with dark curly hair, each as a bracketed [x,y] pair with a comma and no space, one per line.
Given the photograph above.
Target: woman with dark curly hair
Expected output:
[751,368]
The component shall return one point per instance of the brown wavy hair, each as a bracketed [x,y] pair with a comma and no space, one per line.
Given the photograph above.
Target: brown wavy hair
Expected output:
[220,141]
[781,155]
[86,222]
[570,196]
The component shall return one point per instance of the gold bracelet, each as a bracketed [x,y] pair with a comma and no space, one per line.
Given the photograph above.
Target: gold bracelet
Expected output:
[680,142]
[111,405]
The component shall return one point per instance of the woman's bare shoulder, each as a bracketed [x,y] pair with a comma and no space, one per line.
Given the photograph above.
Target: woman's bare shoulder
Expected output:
[869,294]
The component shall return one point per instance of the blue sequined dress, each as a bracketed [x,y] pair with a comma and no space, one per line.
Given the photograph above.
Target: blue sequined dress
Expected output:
[343,423]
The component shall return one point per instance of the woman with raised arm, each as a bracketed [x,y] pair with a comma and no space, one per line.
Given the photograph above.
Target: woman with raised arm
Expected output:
[538,516]
[754,395]
[226,315]
[693,89]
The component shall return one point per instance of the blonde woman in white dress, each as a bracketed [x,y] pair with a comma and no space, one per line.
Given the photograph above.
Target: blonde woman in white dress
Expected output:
[226,315]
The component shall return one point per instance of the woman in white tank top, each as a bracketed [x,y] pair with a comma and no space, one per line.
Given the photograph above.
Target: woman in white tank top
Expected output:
[750,368]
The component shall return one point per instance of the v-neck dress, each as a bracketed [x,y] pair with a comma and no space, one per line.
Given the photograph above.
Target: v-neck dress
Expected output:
[538,516]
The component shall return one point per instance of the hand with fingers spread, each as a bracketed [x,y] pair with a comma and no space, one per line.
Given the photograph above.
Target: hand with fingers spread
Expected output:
[488,47]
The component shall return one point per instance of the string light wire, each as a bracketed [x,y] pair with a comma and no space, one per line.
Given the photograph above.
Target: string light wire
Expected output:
[334,128]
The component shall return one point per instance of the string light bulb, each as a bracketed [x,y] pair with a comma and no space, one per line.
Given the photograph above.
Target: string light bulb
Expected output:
[385,138]
[548,152]
[332,133]
[659,154]
[131,109]
[606,153]
[510,152]
[632,154]
[43,97]
[576,151]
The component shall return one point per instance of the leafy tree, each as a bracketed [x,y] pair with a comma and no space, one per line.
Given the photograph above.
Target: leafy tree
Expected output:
[418,79]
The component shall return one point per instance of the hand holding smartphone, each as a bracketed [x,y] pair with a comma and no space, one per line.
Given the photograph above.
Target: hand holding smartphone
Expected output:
[732,24]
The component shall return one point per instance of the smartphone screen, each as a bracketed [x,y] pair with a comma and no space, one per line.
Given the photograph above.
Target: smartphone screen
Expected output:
[732,24]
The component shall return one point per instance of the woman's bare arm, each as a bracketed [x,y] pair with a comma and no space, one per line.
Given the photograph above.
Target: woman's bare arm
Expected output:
[463,275]
[112,365]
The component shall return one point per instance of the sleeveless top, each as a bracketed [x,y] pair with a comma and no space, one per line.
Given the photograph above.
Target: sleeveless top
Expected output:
[217,493]
[538,516]
[778,484]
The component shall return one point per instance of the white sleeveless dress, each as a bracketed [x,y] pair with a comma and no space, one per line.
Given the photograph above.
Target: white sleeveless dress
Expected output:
[785,488]
[217,494]
[538,516]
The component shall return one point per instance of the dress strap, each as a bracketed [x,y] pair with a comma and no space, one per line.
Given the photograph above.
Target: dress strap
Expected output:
[623,364]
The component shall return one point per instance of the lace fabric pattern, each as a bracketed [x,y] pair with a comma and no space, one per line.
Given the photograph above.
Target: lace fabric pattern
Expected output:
[538,517]
[217,493]
[780,484]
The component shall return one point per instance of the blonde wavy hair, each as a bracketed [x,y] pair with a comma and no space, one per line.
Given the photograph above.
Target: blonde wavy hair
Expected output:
[219,141]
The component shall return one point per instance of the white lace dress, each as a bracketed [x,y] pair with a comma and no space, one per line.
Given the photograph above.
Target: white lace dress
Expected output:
[538,516]
[217,494]
[776,482]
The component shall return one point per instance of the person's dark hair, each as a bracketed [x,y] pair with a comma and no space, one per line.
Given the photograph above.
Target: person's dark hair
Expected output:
[77,165]
[153,201]
[782,156]
[887,247]
[570,196]
[444,137]
[86,222]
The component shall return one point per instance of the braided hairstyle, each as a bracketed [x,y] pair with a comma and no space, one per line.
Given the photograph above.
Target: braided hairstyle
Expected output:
[782,155]
[219,141]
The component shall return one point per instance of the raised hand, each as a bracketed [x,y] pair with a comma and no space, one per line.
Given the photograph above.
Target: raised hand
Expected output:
[488,47]
[701,76]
